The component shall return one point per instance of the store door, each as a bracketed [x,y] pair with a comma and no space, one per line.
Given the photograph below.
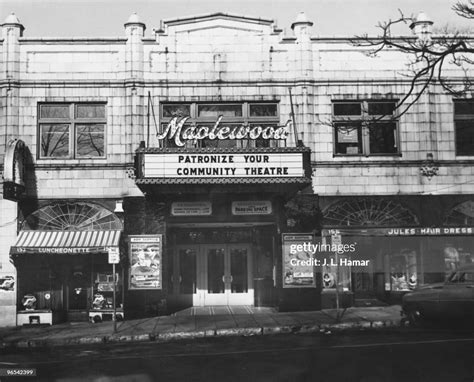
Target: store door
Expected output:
[78,292]
[214,274]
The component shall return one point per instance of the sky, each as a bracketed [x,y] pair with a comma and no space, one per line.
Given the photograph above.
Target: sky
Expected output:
[101,18]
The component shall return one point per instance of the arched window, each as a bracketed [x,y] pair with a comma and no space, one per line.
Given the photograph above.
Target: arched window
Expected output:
[461,215]
[368,212]
[72,217]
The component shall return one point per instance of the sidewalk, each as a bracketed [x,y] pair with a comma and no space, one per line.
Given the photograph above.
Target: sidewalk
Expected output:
[175,327]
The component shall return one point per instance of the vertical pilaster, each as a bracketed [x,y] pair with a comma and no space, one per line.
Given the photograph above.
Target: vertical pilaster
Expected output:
[134,83]
[304,73]
[12,30]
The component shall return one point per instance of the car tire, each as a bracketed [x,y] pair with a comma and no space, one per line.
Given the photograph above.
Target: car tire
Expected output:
[415,316]
[97,319]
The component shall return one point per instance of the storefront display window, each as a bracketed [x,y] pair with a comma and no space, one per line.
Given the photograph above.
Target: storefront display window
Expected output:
[403,271]
[455,256]
[103,290]
[334,275]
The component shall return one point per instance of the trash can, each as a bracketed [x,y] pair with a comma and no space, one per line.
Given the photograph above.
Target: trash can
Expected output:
[263,291]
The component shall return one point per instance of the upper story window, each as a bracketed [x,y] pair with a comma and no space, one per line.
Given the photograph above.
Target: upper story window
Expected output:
[71,130]
[365,127]
[464,126]
[233,115]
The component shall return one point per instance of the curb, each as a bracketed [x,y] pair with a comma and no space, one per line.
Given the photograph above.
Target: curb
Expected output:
[230,332]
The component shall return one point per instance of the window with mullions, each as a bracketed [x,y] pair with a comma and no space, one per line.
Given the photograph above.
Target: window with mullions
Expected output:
[233,115]
[365,128]
[464,126]
[72,130]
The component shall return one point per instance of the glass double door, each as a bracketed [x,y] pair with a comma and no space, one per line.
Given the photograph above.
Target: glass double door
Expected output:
[217,274]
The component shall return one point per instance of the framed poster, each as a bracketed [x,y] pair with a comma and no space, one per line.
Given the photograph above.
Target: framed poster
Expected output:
[145,253]
[348,134]
[298,262]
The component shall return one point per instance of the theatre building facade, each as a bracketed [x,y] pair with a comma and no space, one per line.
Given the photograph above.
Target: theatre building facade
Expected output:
[201,164]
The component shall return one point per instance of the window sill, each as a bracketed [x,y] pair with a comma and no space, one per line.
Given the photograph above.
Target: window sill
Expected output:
[464,157]
[57,161]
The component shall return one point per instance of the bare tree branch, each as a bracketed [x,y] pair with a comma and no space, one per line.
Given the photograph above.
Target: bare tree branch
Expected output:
[430,56]
[465,10]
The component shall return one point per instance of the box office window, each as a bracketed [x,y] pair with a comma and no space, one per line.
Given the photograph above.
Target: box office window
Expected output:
[464,126]
[232,115]
[72,130]
[365,128]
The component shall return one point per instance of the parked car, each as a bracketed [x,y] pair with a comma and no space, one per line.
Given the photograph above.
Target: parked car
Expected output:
[7,283]
[453,299]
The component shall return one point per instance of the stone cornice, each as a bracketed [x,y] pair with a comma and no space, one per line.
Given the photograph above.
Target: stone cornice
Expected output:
[399,162]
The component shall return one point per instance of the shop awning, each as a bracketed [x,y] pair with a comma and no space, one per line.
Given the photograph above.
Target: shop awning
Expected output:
[65,242]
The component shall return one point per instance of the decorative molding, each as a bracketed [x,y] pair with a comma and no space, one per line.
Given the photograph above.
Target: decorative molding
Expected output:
[72,217]
[368,212]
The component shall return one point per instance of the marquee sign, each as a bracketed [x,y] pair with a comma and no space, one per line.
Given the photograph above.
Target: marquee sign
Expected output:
[177,130]
[234,165]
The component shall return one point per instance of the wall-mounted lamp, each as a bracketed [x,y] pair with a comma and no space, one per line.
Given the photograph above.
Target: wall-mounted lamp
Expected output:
[119,206]
[429,167]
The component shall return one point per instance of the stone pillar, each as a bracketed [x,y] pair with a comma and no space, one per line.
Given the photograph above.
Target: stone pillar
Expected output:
[134,85]
[12,30]
[303,95]
[134,30]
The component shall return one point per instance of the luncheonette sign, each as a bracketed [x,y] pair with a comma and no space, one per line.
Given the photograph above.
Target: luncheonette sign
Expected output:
[177,130]
[234,165]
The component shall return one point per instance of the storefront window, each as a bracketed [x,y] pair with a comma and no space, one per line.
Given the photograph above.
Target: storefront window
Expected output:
[456,256]
[334,275]
[403,271]
[102,298]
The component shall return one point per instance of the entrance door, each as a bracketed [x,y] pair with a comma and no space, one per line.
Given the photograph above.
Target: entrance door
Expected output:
[227,275]
[185,275]
[216,274]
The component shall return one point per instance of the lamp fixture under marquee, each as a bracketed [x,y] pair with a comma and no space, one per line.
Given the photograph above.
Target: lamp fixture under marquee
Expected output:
[119,206]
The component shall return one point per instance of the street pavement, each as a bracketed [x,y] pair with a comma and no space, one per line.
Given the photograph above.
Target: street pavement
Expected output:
[384,355]
[256,322]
